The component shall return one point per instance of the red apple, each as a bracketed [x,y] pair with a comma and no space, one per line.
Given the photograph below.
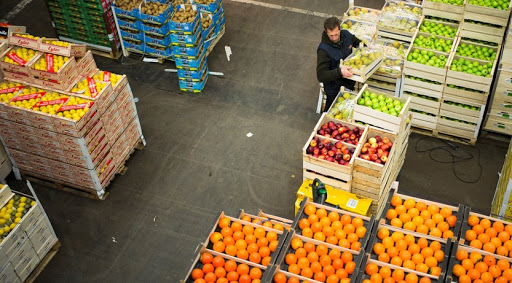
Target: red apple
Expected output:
[353,136]
[326,141]
[384,147]
[316,151]
[380,143]
[384,159]
[346,157]
[331,153]
[378,138]
[345,136]
[324,151]
[375,145]
[324,127]
[338,144]
[366,157]
[338,156]
[367,144]
[373,157]
[364,150]
[313,143]
[385,139]
[321,156]
[320,145]
[378,161]
[372,150]
[335,133]
[330,159]
[385,153]
[390,144]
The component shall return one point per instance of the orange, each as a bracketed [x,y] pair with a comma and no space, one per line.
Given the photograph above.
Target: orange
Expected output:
[322,249]
[357,222]
[436,270]
[486,223]
[371,268]
[430,261]
[218,261]
[316,266]
[273,245]
[241,244]
[447,234]
[439,255]
[405,255]
[473,220]
[300,253]
[385,272]
[243,254]
[409,239]
[262,242]
[271,236]
[309,209]
[458,270]
[479,229]
[383,233]
[296,243]
[502,251]
[397,236]
[290,259]
[328,231]
[279,227]
[503,235]
[398,274]
[230,250]
[438,218]
[197,273]
[484,238]
[237,235]
[427,252]
[401,245]
[417,258]
[255,273]
[319,276]
[259,232]
[378,249]
[210,277]
[400,209]
[421,206]
[344,243]
[384,257]
[325,260]
[278,278]
[425,214]
[307,232]
[392,252]
[495,271]
[489,260]
[422,243]
[410,226]
[503,264]
[435,232]
[430,223]
[498,226]
[303,262]
[360,231]
[443,226]
[475,257]
[467,264]
[418,220]
[341,273]
[233,276]
[476,244]
[464,279]
[422,267]
[215,237]
[220,272]
[307,272]
[507,273]
[349,228]
[264,252]
[452,220]
[425,280]
[346,219]
[350,267]
[334,254]
[325,221]
[396,222]
[435,245]
[320,212]
[332,240]
[328,270]
[250,239]
[409,203]
[230,265]
[333,216]
[470,235]
[352,237]
[340,234]
[491,232]
[414,249]
[388,242]
[445,212]
[396,201]
[319,236]
[404,217]
[489,247]
[309,247]
[346,257]
[433,209]
[219,247]
[224,222]
[336,225]
[376,278]
[396,261]
[312,257]
[473,274]
[313,219]
[411,278]
[246,278]
[413,212]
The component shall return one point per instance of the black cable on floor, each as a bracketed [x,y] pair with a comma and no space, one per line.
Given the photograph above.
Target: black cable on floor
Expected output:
[451,149]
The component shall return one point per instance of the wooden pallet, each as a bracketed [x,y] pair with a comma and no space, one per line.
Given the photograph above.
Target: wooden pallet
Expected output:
[444,136]
[80,190]
[43,263]
[107,54]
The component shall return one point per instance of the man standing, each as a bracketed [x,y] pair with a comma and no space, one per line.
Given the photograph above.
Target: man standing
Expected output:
[336,44]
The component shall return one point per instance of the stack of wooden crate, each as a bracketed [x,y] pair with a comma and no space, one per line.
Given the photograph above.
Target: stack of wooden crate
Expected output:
[424,83]
[499,114]
[502,203]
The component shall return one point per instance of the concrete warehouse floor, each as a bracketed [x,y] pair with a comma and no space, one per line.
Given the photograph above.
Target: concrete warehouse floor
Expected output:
[199,161]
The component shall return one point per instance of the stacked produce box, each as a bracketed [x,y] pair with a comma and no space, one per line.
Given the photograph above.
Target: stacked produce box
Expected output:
[86,21]
[425,70]
[498,114]
[26,236]
[61,118]
[501,206]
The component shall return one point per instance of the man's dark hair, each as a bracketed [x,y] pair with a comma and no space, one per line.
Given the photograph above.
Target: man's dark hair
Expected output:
[331,23]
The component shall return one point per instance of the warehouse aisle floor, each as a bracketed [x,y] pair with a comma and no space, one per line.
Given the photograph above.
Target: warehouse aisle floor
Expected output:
[199,159]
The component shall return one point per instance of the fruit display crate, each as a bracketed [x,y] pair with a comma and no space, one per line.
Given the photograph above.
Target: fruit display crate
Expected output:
[421,97]
[303,225]
[500,207]
[336,175]
[202,267]
[454,213]
[47,45]
[365,31]
[344,265]
[364,72]
[379,119]
[28,246]
[443,10]
[395,15]
[425,71]
[373,180]
[468,110]
[362,14]
[496,125]
[372,266]
[476,224]
[473,95]
[487,14]
[16,68]
[266,219]
[275,239]
[459,125]
[430,254]
[382,86]
[463,257]
[484,32]
[468,80]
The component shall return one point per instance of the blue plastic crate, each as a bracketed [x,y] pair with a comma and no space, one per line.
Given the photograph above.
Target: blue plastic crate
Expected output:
[163,29]
[193,75]
[129,24]
[162,1]
[191,52]
[175,26]
[177,38]
[193,64]
[134,14]
[210,7]
[220,25]
[131,34]
[132,46]
[160,19]
[149,49]
[197,86]
[151,38]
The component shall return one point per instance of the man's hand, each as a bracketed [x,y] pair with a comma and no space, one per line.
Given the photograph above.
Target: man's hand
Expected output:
[345,71]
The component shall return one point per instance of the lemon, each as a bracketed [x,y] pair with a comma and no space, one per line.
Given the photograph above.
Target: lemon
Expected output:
[20,209]
[9,205]
[11,201]
[7,216]
[32,203]
[23,199]
[2,221]
[18,214]
[1,233]
[13,225]
[7,229]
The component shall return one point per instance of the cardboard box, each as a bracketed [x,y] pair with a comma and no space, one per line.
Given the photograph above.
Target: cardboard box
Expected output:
[76,50]
[61,75]
[63,85]
[18,77]
[23,69]
[46,247]
[18,40]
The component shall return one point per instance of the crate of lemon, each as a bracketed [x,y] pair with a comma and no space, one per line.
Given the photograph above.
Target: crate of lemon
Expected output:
[17,211]
[17,59]
[54,46]
[93,88]
[47,66]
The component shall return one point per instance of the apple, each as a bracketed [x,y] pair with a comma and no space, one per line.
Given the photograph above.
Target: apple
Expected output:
[364,150]
[313,143]
[384,159]
[373,157]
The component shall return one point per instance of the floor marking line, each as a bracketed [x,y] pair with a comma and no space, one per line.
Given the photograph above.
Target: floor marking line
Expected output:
[285,8]
[16,10]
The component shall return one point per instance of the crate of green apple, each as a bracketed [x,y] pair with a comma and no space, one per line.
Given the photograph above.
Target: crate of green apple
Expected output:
[434,42]
[494,12]
[452,91]
[427,64]
[453,6]
[440,27]
[472,73]
[462,107]
[482,51]
[343,105]
[340,130]
[381,110]
[456,126]
[481,27]
[423,119]
[423,83]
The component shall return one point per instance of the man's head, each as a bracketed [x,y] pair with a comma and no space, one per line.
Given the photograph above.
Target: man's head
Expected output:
[332,28]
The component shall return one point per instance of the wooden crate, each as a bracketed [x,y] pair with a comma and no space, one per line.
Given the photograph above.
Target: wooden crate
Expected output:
[382,120]
[371,16]
[450,277]
[330,173]
[367,260]
[443,10]
[61,75]
[497,31]
[424,71]
[361,75]
[474,96]
[469,80]
[424,85]
[496,49]
[504,79]
[425,92]
[487,15]
[495,125]
[424,121]
[77,50]
[370,178]
[457,128]
[398,34]
[326,119]
[464,112]
[498,39]
[262,218]
[17,69]
[17,40]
